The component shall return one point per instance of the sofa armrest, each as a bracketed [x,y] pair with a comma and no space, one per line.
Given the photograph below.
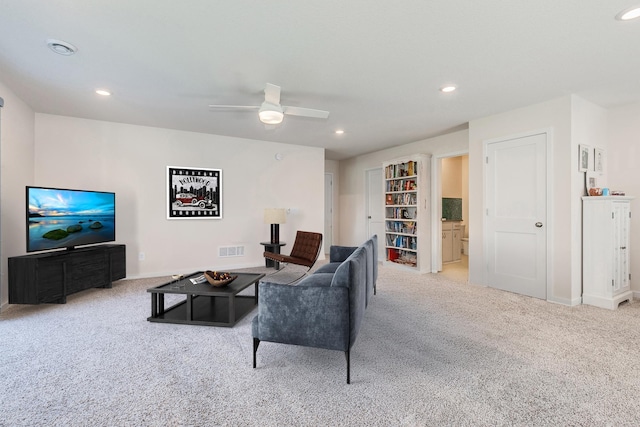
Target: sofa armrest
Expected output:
[340,253]
[313,316]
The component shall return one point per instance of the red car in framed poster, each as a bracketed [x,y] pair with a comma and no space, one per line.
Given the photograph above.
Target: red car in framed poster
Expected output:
[194,193]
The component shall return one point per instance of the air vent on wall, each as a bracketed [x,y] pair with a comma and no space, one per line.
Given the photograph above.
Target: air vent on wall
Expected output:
[229,251]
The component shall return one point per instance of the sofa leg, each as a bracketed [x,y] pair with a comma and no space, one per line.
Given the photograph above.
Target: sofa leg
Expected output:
[256,343]
[348,356]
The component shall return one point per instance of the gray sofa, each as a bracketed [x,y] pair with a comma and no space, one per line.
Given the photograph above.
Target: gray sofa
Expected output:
[326,308]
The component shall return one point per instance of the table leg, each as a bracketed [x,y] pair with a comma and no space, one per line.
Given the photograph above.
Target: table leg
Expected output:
[154,305]
[160,304]
[189,307]
[256,292]
[232,310]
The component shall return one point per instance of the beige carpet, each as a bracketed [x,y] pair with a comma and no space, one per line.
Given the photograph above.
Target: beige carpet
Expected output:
[431,351]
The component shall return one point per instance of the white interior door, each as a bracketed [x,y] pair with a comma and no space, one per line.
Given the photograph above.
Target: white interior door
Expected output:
[375,207]
[328,212]
[516,207]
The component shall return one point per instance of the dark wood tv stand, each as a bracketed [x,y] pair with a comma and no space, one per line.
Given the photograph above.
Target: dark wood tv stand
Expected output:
[48,277]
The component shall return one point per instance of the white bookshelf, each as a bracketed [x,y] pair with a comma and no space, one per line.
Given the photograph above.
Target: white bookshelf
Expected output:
[406,191]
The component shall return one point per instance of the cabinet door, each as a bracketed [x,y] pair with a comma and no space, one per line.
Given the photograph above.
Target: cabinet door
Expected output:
[456,244]
[621,261]
[118,261]
[447,246]
[50,279]
[87,269]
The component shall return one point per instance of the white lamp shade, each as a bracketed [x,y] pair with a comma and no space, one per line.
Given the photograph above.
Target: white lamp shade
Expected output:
[275,216]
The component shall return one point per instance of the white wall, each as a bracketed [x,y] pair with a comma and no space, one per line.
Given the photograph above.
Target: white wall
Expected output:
[452,177]
[16,155]
[353,174]
[132,160]
[621,162]
[588,127]
[571,121]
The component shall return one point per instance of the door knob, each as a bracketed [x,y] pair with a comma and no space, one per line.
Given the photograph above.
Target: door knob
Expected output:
[538,224]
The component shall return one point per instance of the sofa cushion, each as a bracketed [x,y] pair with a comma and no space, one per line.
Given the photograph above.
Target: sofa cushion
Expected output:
[368,246]
[374,240]
[314,316]
[317,279]
[328,268]
[340,253]
[352,274]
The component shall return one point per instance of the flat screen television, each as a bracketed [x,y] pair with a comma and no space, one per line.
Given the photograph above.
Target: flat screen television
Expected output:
[60,218]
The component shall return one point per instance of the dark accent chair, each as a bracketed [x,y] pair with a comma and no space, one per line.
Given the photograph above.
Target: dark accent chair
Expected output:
[305,251]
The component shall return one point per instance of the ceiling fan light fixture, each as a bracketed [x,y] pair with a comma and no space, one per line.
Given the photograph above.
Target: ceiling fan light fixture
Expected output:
[629,14]
[270,114]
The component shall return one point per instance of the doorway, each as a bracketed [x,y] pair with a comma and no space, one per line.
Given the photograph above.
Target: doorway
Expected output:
[451,215]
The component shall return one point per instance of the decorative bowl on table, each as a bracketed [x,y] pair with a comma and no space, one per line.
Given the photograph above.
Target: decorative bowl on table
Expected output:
[218,279]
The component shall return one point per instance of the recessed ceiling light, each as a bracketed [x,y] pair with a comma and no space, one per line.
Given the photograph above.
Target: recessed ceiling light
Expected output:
[448,88]
[61,47]
[339,132]
[103,92]
[629,14]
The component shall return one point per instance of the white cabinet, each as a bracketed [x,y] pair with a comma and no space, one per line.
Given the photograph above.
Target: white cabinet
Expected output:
[407,228]
[451,241]
[606,272]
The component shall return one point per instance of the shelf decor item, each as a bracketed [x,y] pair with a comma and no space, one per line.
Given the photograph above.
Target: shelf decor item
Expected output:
[194,193]
[407,230]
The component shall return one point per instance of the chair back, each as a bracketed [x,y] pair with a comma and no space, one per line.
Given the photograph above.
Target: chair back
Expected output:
[306,247]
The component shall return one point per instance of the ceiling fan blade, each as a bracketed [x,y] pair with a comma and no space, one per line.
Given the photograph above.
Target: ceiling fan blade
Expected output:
[272,94]
[305,112]
[233,107]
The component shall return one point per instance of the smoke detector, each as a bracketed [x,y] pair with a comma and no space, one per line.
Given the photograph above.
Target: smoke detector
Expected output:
[61,47]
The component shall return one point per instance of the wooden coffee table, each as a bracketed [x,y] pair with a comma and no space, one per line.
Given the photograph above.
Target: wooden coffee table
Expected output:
[205,304]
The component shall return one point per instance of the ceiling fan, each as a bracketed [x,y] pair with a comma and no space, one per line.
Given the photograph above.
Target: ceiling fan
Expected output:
[271,112]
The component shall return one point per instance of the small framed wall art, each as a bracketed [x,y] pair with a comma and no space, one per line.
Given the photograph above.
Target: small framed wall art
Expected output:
[598,160]
[583,164]
[194,193]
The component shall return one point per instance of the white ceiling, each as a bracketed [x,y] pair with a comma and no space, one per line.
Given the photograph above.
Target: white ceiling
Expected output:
[375,65]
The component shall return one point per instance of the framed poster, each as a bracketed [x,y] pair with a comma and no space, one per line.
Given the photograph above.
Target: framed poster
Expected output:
[598,160]
[583,166]
[194,193]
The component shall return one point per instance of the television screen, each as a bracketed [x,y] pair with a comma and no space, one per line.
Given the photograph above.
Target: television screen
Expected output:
[62,218]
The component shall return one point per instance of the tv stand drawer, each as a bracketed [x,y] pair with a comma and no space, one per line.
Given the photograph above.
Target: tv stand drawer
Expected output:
[51,276]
